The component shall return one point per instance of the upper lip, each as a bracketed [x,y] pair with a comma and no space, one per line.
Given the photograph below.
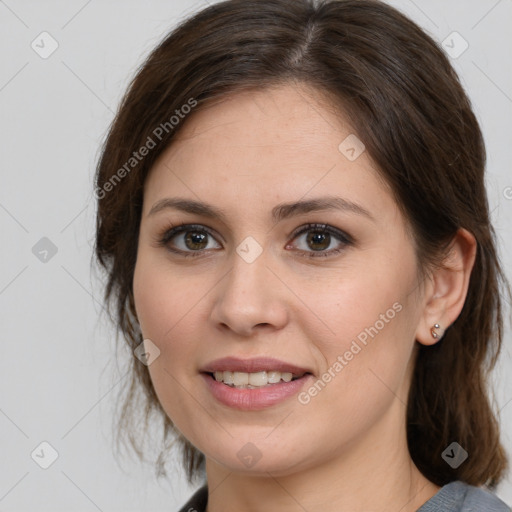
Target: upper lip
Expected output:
[253,365]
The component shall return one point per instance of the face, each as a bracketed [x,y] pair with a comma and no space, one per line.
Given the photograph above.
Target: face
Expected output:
[332,289]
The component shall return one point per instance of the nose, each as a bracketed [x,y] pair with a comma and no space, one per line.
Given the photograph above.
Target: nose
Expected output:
[249,298]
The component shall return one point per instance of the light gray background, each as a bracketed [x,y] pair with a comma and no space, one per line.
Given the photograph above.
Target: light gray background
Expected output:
[58,371]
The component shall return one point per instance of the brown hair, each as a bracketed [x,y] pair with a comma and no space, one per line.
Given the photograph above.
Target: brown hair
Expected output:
[407,105]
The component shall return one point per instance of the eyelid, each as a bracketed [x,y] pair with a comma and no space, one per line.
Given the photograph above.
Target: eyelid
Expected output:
[164,237]
[167,234]
[345,237]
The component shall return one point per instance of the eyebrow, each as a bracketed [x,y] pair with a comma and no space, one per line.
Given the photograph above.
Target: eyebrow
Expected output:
[280,212]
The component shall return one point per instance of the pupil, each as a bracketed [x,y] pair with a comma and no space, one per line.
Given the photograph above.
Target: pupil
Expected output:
[195,239]
[317,237]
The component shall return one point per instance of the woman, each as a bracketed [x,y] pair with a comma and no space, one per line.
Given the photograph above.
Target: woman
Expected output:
[294,225]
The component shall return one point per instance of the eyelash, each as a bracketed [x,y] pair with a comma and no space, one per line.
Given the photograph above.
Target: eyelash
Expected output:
[167,235]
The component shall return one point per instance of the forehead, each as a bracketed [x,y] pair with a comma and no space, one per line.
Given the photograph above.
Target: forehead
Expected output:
[285,117]
[262,146]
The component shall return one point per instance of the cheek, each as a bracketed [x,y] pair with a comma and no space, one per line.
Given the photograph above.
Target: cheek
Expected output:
[171,307]
[365,369]
[370,315]
[151,303]
[162,299]
[356,302]
[164,313]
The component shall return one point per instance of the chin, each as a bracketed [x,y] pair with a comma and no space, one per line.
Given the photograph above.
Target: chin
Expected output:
[249,460]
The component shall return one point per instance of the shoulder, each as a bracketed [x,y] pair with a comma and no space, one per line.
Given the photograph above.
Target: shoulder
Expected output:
[460,497]
[453,497]
[197,503]
[481,499]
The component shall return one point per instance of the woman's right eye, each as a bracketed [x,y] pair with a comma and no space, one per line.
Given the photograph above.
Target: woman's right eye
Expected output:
[188,240]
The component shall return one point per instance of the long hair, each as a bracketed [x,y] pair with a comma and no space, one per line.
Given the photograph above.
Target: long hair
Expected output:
[408,107]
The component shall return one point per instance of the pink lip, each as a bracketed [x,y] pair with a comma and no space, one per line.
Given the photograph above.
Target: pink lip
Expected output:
[257,364]
[254,399]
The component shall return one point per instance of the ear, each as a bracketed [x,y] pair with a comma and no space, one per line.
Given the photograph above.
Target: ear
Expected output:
[446,289]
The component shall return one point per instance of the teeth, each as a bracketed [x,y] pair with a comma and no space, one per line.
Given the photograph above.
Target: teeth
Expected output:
[252,380]
[257,379]
[240,379]
[273,377]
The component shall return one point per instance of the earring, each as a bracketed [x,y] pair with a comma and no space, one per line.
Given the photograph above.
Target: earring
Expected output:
[435,335]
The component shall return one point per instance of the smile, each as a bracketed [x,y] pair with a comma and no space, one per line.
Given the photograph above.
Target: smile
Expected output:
[247,397]
[243,380]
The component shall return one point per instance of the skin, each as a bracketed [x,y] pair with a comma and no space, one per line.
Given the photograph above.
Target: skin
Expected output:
[346,449]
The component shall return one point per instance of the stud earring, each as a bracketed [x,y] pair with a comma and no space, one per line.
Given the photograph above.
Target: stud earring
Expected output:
[435,335]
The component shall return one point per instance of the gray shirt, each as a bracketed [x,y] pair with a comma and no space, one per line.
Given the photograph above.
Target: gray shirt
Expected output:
[453,497]
[461,497]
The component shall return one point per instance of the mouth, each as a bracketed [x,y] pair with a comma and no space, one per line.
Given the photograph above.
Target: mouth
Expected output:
[254,391]
[254,380]
[254,373]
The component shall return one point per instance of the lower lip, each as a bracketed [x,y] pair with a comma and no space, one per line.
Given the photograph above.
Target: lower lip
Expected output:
[257,398]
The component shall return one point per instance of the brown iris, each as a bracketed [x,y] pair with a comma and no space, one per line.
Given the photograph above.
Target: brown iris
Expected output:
[193,239]
[319,238]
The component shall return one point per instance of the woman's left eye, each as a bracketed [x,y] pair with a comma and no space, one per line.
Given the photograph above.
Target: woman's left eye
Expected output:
[194,239]
[319,238]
